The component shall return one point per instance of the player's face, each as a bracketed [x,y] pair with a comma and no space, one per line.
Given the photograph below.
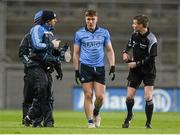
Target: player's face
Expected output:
[91,22]
[53,22]
[137,27]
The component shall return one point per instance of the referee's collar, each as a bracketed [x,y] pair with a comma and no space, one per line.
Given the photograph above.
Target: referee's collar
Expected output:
[97,27]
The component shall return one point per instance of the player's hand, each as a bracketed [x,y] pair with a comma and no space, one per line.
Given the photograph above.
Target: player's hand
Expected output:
[77,77]
[56,43]
[132,65]
[112,72]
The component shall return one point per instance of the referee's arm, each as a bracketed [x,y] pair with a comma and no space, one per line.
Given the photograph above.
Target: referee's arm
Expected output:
[151,57]
[126,56]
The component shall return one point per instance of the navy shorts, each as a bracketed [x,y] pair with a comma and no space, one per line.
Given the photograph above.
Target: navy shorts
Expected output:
[92,74]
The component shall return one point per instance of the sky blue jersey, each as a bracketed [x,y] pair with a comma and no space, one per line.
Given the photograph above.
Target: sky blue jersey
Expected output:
[92,45]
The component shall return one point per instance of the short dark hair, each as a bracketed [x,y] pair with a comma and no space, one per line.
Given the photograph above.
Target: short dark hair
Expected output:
[142,19]
[91,13]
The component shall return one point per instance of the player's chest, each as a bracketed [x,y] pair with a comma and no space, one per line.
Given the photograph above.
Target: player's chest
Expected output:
[92,37]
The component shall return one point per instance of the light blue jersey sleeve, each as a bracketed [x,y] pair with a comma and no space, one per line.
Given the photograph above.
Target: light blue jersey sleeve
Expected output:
[107,37]
[37,33]
[76,39]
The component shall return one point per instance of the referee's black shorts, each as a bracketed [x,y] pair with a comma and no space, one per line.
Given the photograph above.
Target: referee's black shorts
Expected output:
[92,74]
[139,74]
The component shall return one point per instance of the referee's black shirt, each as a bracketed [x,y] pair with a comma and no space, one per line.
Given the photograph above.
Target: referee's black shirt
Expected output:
[144,47]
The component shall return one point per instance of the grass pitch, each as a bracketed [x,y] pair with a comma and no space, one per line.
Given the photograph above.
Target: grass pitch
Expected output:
[69,122]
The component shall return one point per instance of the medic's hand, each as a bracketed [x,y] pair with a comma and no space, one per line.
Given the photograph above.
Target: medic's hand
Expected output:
[56,43]
[59,71]
[59,76]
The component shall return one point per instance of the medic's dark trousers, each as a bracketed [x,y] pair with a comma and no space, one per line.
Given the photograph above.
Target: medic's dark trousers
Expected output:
[40,82]
[27,96]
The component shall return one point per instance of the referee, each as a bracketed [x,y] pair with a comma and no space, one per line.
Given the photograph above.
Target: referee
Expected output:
[141,67]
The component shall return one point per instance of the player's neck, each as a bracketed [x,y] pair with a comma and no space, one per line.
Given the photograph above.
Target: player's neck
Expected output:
[91,29]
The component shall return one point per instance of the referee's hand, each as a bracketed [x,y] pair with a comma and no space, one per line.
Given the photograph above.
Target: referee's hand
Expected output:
[112,73]
[126,57]
[132,65]
[77,77]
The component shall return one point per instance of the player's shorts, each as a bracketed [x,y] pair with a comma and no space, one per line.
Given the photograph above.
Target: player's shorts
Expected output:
[92,74]
[137,75]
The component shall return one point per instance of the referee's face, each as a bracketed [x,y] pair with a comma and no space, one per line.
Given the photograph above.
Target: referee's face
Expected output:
[137,27]
[91,22]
